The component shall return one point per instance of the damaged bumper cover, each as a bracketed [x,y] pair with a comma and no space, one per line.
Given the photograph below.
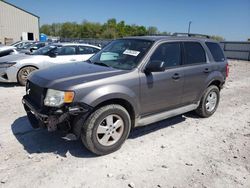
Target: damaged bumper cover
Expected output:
[53,118]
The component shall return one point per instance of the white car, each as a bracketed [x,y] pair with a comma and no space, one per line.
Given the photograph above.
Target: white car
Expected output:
[22,43]
[16,68]
[7,50]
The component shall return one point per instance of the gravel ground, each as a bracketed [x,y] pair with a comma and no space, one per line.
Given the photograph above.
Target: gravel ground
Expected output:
[184,151]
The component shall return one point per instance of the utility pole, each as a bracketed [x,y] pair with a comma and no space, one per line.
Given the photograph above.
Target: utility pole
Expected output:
[189,26]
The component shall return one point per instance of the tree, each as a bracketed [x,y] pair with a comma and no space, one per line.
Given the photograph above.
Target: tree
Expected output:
[217,37]
[45,29]
[110,29]
[152,30]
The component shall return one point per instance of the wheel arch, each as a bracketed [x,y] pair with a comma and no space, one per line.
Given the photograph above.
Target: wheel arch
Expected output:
[24,67]
[124,103]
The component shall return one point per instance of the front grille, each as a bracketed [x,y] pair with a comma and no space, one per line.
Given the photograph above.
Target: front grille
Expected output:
[35,93]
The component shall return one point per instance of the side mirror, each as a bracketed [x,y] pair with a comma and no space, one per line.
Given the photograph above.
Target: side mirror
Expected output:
[155,66]
[33,48]
[52,54]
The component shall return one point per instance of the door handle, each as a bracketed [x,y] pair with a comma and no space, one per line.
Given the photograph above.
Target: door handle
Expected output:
[176,76]
[72,59]
[207,70]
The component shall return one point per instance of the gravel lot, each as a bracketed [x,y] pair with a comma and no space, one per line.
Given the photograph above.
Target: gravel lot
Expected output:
[184,151]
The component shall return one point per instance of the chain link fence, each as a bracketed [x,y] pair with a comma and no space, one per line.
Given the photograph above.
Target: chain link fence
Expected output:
[233,50]
[96,42]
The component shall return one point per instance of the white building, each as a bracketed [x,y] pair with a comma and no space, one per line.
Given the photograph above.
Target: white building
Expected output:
[17,24]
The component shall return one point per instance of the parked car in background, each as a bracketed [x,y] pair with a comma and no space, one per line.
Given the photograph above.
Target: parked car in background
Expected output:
[31,47]
[7,50]
[131,82]
[16,68]
[22,43]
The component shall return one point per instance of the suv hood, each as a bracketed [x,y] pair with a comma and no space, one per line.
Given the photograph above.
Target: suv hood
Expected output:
[65,76]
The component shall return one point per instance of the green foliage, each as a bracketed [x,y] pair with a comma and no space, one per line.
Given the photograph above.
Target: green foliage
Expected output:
[109,30]
[217,37]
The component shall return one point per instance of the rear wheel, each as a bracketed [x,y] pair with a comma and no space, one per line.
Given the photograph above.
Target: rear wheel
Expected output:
[209,101]
[23,74]
[106,129]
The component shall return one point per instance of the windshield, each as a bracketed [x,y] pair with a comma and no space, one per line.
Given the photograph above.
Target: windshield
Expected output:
[45,50]
[122,54]
[25,46]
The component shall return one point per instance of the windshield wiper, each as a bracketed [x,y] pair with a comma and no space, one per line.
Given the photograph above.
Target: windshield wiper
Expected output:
[97,63]
[101,64]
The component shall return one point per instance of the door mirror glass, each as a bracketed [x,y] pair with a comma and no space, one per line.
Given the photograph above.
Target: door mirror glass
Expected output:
[52,54]
[33,49]
[155,66]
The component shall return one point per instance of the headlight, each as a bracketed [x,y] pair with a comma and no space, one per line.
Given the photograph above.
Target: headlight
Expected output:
[55,98]
[7,64]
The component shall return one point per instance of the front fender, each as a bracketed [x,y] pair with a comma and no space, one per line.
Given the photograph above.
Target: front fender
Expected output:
[109,92]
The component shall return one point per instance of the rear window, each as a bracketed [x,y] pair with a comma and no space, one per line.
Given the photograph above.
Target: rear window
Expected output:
[194,53]
[216,51]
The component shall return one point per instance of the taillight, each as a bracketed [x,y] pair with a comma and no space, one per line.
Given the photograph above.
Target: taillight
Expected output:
[227,70]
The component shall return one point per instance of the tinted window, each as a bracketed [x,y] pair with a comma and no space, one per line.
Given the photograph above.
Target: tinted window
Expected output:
[87,50]
[216,51]
[67,50]
[47,50]
[40,45]
[194,53]
[170,53]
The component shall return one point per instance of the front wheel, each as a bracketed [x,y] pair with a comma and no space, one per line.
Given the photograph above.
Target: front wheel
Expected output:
[106,129]
[23,74]
[209,102]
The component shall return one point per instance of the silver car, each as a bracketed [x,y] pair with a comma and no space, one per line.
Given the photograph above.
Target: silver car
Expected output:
[7,50]
[16,68]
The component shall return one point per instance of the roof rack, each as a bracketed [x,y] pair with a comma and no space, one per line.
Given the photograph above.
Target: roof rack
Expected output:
[191,35]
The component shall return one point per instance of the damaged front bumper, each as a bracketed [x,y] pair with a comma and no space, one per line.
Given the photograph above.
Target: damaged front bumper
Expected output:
[53,118]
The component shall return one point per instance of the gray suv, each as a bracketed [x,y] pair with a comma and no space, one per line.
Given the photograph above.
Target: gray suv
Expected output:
[132,82]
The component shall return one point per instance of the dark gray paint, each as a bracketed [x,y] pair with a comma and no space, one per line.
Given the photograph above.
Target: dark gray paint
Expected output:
[148,93]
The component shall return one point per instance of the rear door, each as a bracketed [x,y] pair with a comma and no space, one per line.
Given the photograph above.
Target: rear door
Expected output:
[161,91]
[196,71]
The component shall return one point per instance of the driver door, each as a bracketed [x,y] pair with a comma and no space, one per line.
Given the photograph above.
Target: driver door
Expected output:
[65,54]
[161,91]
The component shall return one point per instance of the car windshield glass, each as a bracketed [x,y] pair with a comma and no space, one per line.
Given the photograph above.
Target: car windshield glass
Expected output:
[122,54]
[45,50]
[26,46]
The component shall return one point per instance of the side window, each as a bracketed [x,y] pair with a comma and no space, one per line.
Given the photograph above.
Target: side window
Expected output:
[40,45]
[170,53]
[67,50]
[216,51]
[87,50]
[194,53]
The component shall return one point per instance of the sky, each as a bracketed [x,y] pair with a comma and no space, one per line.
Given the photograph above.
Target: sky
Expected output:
[227,18]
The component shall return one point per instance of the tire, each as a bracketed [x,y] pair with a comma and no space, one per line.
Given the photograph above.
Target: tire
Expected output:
[205,110]
[23,74]
[99,136]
